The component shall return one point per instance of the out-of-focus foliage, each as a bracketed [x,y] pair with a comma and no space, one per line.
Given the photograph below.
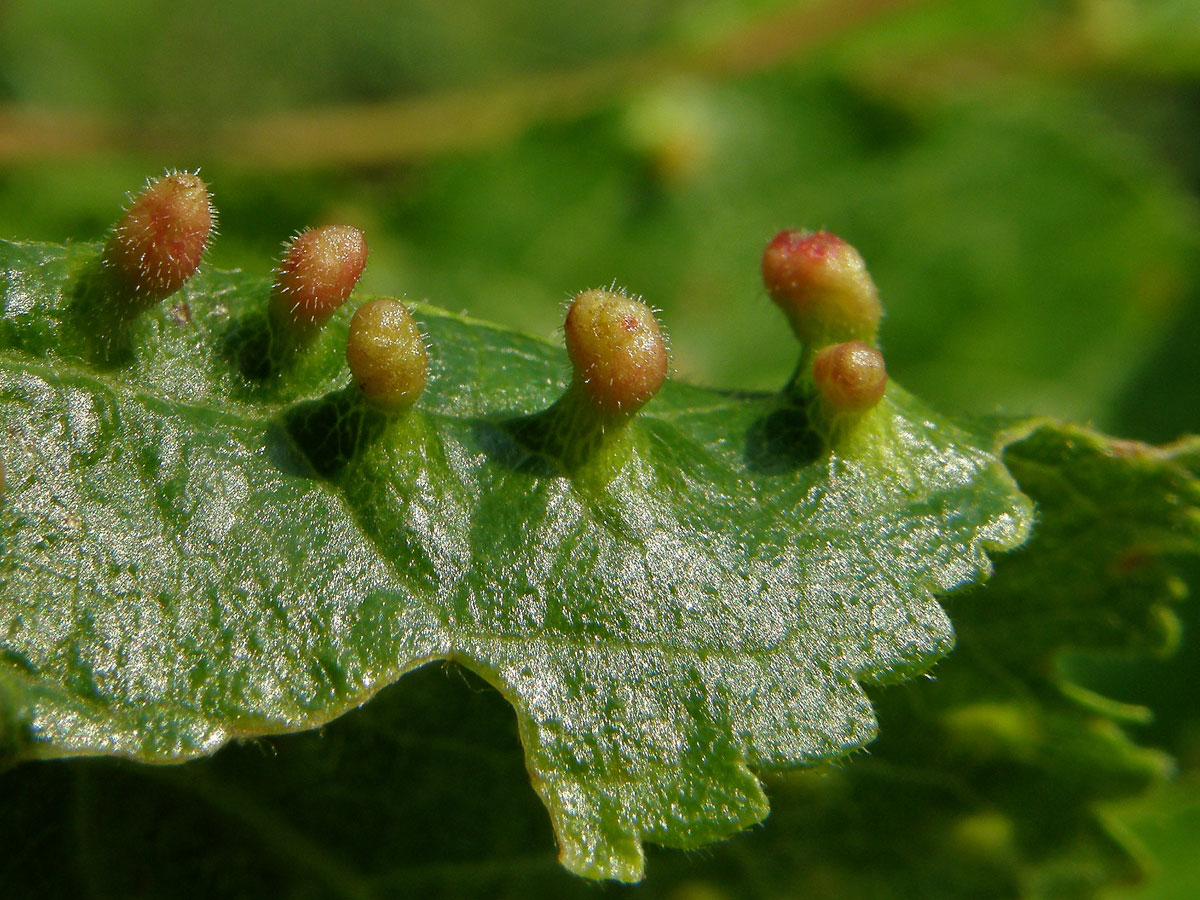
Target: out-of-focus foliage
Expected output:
[1029,248]
[224,57]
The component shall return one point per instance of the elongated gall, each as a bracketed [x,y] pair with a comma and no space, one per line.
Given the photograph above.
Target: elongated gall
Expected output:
[320,268]
[617,349]
[850,377]
[823,287]
[386,353]
[159,241]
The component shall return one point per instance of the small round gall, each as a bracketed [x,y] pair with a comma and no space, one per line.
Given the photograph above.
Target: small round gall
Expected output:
[850,377]
[386,353]
[159,241]
[823,287]
[320,268]
[617,349]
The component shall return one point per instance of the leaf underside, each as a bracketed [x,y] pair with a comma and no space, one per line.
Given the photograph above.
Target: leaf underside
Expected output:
[196,547]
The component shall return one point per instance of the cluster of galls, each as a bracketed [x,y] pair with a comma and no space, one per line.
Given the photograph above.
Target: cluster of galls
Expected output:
[823,287]
[613,340]
[160,240]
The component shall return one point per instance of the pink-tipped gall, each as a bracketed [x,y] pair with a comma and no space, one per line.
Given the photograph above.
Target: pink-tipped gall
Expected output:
[823,287]
[617,349]
[850,378]
[158,243]
[320,268]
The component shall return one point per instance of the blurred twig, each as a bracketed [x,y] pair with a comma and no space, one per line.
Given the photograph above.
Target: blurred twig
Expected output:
[461,119]
[26,134]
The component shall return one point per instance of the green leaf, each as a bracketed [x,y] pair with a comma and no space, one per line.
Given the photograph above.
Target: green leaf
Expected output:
[986,781]
[197,548]
[983,783]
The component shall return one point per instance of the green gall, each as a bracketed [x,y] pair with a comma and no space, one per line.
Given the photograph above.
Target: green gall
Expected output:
[320,268]
[386,353]
[823,287]
[617,349]
[850,377]
[158,243]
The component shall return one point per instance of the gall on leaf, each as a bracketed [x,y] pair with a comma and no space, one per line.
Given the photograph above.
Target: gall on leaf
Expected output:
[319,269]
[386,353]
[823,287]
[159,241]
[617,350]
[850,377]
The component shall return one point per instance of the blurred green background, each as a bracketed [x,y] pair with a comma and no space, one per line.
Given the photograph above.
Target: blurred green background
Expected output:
[1022,177]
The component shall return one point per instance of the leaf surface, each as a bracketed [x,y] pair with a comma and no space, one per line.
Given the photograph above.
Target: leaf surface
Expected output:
[991,779]
[983,783]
